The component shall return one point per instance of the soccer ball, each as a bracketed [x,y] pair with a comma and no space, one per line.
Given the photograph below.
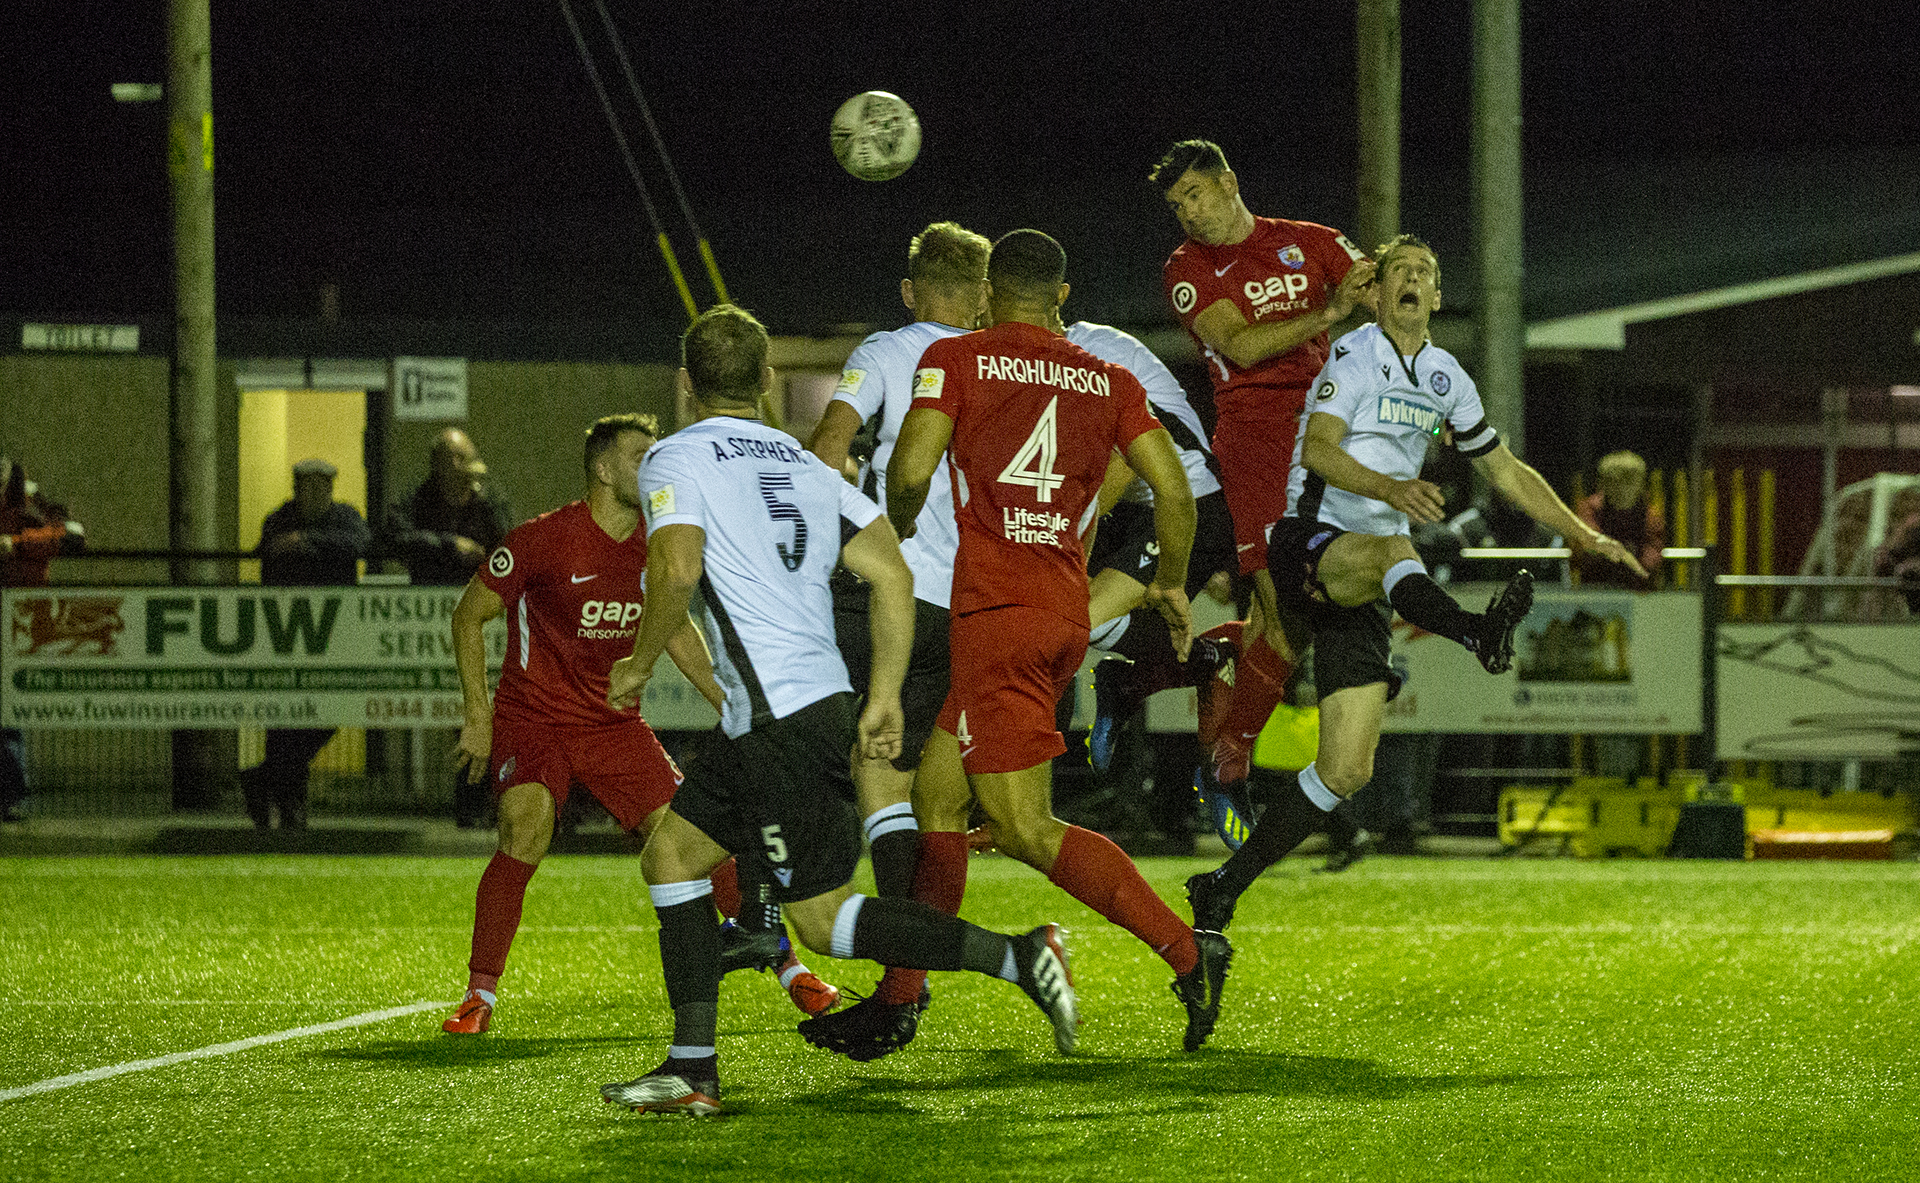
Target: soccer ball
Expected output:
[876,136]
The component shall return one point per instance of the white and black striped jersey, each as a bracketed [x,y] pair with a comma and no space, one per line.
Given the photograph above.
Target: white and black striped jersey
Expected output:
[878,379]
[1164,394]
[775,517]
[1393,407]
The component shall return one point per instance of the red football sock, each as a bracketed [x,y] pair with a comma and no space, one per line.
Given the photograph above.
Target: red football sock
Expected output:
[726,888]
[940,880]
[1099,874]
[1259,683]
[496,917]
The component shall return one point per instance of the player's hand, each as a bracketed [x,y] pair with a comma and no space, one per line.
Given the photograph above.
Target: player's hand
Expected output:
[1420,500]
[882,726]
[1611,550]
[1171,604]
[467,548]
[627,683]
[474,750]
[1351,289]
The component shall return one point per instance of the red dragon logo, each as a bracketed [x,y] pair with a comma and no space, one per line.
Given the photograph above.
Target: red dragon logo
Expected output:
[89,623]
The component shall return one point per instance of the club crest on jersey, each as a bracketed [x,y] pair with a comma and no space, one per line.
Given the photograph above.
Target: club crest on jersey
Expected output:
[928,383]
[1326,390]
[1183,298]
[1293,256]
[850,381]
[1440,382]
[506,770]
[500,564]
[660,501]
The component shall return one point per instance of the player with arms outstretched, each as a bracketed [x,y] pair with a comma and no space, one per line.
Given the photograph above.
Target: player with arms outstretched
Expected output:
[1258,296]
[746,528]
[1342,557]
[573,577]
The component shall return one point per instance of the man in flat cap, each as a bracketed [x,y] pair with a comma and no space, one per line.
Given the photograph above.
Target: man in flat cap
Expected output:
[311,541]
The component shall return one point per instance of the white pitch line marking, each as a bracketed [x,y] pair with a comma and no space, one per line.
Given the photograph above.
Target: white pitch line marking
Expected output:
[218,1049]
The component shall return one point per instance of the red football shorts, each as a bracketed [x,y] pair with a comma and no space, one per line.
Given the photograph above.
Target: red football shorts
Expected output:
[622,764]
[1010,667]
[1255,457]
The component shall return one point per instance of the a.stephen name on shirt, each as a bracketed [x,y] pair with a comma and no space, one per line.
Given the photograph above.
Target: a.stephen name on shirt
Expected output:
[754,449]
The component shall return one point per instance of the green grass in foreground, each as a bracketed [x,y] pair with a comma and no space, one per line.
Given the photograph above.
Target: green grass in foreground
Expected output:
[1407,1020]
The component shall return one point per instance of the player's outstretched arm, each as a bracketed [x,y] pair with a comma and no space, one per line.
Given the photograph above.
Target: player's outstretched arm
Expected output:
[675,559]
[1520,483]
[689,652]
[478,604]
[1225,330]
[1321,453]
[874,555]
[1154,457]
[924,435]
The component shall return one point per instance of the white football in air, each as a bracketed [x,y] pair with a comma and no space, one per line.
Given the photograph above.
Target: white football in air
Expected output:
[876,136]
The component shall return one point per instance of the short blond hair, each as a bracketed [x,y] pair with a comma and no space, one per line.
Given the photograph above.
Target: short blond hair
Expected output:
[1622,465]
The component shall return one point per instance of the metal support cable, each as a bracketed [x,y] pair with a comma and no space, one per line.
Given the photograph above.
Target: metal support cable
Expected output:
[633,166]
[660,146]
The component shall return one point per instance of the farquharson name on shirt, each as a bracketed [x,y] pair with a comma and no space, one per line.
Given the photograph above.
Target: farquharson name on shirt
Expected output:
[753,449]
[1024,525]
[1035,372]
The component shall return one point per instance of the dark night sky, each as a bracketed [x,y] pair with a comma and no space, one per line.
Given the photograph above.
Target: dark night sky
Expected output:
[448,162]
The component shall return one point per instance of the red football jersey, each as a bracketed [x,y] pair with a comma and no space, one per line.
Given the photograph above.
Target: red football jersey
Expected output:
[1281,270]
[1034,420]
[573,603]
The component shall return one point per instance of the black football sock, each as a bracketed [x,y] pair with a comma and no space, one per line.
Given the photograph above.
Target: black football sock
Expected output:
[1287,823]
[1146,638]
[690,962]
[914,936]
[758,910]
[1421,601]
[894,857]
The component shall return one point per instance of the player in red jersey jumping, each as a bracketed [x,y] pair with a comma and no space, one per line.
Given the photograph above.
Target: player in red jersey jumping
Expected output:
[1258,295]
[573,579]
[1029,423]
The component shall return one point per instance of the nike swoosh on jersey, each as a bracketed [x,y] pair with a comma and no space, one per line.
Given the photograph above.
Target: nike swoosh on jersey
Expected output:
[1224,270]
[583,578]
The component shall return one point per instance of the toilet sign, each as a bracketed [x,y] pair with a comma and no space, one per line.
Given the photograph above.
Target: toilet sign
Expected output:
[429,388]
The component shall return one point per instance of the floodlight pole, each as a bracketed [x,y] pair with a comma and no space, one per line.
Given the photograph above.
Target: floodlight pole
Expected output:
[1497,215]
[1377,72]
[202,759]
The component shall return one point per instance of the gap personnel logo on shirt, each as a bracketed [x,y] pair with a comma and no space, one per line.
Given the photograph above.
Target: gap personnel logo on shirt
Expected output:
[660,501]
[1183,298]
[1277,287]
[1400,411]
[1326,390]
[1293,256]
[928,383]
[1440,382]
[501,564]
[606,618]
[850,381]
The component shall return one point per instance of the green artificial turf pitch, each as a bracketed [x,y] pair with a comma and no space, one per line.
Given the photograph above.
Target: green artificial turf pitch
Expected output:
[1410,1019]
